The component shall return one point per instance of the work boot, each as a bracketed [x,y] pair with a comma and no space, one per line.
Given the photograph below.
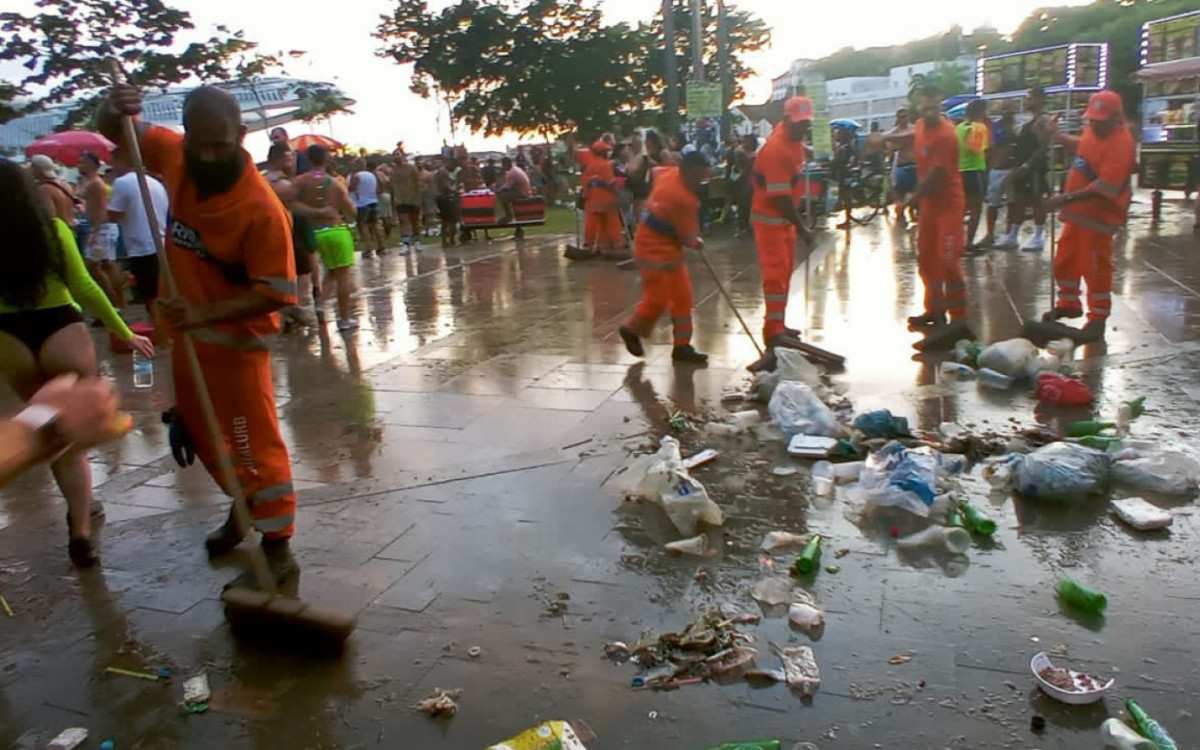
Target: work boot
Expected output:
[1092,332]
[280,562]
[1059,313]
[927,319]
[943,337]
[688,353]
[633,344]
[223,540]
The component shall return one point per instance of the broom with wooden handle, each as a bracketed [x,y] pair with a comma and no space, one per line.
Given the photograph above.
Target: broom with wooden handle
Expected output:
[265,611]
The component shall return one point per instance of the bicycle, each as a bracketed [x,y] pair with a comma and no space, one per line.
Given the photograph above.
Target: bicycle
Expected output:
[863,194]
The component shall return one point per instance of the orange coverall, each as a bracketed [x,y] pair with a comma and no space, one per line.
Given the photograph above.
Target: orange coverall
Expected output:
[670,222]
[1086,248]
[602,228]
[940,231]
[217,249]
[778,171]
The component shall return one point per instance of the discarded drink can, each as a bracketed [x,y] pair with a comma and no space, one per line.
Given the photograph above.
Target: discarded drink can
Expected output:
[1080,596]
[810,558]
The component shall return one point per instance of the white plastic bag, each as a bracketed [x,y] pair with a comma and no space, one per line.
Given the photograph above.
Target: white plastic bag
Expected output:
[798,411]
[1168,473]
[1011,357]
[665,481]
[897,476]
[1068,472]
[1141,515]
[793,365]
[807,618]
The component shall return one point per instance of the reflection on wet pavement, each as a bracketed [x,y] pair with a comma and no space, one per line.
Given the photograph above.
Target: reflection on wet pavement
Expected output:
[458,456]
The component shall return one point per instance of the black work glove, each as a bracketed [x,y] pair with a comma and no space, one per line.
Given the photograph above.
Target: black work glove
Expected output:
[182,448]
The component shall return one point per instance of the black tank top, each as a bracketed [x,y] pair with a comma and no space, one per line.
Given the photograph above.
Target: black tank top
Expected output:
[1028,146]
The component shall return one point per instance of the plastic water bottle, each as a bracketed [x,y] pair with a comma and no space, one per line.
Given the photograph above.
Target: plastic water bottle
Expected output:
[143,371]
[957,370]
[992,379]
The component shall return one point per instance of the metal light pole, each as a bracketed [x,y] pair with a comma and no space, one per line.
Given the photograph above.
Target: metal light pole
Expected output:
[671,72]
[726,70]
[697,40]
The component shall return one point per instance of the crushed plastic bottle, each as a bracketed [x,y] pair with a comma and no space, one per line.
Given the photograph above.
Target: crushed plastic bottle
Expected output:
[956,370]
[993,379]
[1149,727]
[950,538]
[1116,734]
[1081,597]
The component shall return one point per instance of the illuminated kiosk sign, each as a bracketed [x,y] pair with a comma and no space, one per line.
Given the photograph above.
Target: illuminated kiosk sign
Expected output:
[1081,66]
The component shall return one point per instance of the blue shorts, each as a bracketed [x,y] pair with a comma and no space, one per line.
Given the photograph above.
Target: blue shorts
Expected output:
[904,179]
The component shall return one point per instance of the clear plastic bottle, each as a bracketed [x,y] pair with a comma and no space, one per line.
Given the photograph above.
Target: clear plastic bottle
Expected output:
[143,371]
[992,379]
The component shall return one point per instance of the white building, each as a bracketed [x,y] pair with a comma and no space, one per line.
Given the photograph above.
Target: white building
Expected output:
[790,82]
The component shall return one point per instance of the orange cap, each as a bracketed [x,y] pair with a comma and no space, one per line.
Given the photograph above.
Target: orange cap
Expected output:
[601,147]
[798,108]
[1103,106]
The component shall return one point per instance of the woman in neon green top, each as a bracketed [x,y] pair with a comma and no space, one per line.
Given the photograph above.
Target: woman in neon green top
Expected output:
[42,334]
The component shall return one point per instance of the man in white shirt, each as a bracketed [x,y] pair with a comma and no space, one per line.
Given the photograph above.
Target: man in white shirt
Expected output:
[364,190]
[125,208]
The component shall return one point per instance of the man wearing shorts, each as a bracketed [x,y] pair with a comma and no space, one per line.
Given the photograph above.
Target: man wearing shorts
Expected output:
[429,208]
[387,214]
[406,195]
[364,187]
[335,242]
[904,166]
[972,165]
[125,208]
[1030,178]
[1000,165]
[97,238]
[447,201]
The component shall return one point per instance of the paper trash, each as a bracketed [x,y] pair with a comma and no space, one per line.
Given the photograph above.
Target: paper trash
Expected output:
[552,735]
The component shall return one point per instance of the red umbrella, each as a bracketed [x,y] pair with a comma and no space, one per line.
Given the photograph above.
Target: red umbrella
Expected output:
[66,147]
[301,142]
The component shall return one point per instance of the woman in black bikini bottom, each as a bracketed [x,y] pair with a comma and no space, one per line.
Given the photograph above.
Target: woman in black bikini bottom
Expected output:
[40,340]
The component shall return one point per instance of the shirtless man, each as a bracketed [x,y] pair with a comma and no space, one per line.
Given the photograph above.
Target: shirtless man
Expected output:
[318,190]
[874,149]
[904,165]
[281,174]
[56,193]
[100,248]
[428,194]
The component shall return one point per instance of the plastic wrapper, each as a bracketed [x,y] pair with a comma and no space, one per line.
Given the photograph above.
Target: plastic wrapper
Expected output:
[807,618]
[903,478]
[662,479]
[551,735]
[798,411]
[1066,472]
[1168,473]
[801,670]
[1141,515]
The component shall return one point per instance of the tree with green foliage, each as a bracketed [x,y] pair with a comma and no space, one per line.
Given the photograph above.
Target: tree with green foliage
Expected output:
[951,78]
[747,33]
[66,44]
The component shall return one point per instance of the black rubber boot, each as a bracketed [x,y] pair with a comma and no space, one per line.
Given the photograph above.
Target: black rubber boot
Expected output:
[223,540]
[633,344]
[926,320]
[280,562]
[1059,313]
[689,354]
[943,337]
[1092,332]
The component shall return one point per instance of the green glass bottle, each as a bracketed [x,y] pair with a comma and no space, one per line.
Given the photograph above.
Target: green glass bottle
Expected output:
[810,558]
[1100,442]
[1081,597]
[1137,407]
[1085,427]
[976,522]
[1149,727]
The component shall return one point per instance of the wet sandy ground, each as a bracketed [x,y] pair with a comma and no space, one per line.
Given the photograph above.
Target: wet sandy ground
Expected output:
[456,461]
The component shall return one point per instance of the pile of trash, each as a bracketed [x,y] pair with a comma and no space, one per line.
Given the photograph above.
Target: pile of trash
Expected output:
[712,648]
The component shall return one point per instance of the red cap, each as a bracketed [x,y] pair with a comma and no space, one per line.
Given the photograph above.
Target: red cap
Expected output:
[798,108]
[601,147]
[1103,106]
